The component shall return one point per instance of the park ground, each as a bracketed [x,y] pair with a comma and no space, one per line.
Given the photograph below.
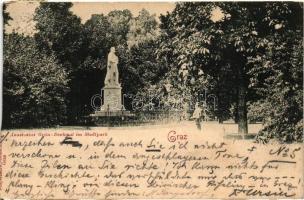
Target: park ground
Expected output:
[209,130]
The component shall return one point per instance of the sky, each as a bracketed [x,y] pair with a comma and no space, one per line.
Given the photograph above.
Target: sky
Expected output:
[22,12]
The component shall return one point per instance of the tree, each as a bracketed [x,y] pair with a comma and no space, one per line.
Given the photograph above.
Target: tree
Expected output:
[34,85]
[142,28]
[96,30]
[60,33]
[138,63]
[6,16]
[208,40]
[139,66]
[277,76]
[93,69]
[119,26]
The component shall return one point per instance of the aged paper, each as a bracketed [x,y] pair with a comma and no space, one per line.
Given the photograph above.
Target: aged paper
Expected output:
[146,163]
[143,100]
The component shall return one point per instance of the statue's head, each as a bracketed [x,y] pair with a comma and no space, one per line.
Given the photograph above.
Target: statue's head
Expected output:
[112,49]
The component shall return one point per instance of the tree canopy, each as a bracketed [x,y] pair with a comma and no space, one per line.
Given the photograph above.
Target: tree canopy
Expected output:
[59,32]
[34,85]
[212,40]
[142,28]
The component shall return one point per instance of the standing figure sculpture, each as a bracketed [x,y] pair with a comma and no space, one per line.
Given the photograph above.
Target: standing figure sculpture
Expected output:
[112,69]
[111,98]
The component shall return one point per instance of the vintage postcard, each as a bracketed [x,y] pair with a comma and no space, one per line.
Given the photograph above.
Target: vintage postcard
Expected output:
[152,100]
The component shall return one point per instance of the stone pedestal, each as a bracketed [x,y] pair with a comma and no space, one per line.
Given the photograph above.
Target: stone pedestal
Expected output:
[111,99]
[112,105]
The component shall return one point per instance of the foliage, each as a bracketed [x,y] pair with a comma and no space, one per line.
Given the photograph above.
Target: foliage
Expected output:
[96,30]
[210,41]
[138,65]
[278,78]
[139,69]
[6,16]
[205,55]
[119,26]
[59,32]
[142,28]
[92,71]
[34,85]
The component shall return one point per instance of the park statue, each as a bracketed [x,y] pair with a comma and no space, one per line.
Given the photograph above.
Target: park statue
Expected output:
[112,69]
[111,99]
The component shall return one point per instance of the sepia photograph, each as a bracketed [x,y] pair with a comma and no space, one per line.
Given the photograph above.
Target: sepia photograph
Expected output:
[128,64]
[116,100]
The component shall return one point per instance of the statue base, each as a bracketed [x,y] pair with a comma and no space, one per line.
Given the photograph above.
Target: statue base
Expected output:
[111,98]
[112,103]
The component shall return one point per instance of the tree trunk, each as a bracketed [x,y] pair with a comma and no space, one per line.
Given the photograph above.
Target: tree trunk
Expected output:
[241,107]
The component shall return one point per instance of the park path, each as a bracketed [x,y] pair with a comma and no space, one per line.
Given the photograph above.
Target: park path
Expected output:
[210,130]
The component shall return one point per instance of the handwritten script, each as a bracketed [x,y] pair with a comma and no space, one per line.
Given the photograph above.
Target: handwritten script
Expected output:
[112,164]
